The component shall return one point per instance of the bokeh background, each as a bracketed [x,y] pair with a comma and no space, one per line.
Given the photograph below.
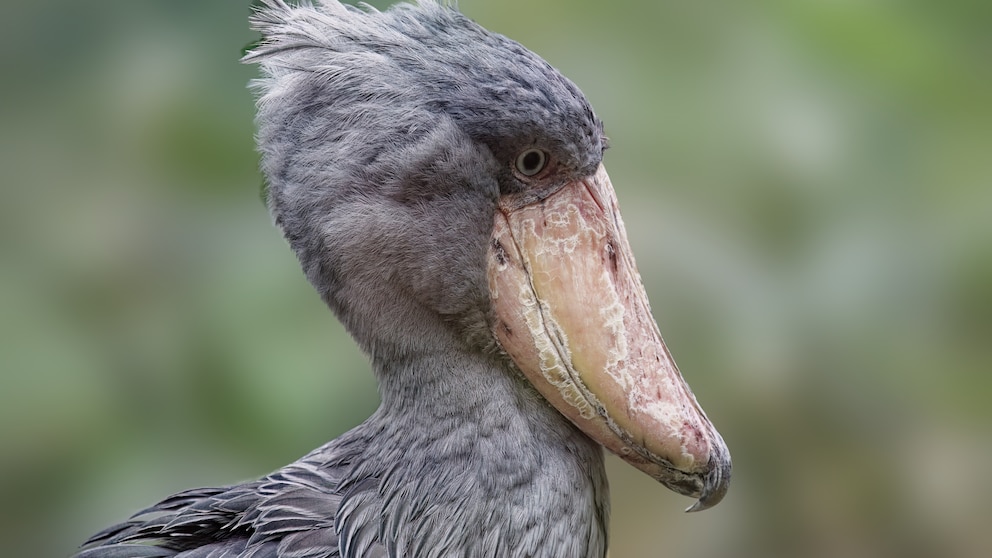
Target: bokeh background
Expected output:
[808,189]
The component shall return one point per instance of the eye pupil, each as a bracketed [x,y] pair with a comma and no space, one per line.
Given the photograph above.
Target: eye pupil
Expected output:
[531,162]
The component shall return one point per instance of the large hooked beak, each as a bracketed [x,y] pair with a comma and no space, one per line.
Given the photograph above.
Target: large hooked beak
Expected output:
[573,315]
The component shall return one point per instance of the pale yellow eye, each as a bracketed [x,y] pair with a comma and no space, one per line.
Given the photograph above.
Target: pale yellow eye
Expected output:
[531,162]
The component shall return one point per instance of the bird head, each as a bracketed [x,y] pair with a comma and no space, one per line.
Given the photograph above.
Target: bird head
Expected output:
[442,184]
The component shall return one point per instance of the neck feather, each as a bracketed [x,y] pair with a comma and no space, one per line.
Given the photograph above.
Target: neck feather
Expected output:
[466,458]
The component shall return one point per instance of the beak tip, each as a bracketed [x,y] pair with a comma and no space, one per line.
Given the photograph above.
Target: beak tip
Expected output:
[700,505]
[715,485]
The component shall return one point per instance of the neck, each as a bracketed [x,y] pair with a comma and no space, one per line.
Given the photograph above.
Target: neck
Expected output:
[469,460]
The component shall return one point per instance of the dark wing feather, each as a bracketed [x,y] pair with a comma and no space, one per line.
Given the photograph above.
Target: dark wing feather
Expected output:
[288,514]
[126,551]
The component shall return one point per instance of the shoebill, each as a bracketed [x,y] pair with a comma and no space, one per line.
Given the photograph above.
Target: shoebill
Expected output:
[444,190]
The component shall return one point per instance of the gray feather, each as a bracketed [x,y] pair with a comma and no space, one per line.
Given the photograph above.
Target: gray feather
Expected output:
[387,139]
[125,551]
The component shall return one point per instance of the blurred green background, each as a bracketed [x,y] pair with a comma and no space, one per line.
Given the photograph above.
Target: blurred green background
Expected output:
[808,190]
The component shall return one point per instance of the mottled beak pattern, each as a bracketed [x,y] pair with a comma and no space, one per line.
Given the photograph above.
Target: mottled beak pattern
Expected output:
[573,315]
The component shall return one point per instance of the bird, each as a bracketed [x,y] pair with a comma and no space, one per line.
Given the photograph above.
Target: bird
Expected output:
[443,188]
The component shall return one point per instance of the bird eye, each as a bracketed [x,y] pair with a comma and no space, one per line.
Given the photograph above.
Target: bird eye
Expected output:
[531,162]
